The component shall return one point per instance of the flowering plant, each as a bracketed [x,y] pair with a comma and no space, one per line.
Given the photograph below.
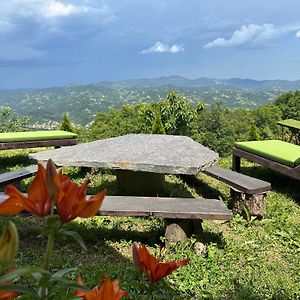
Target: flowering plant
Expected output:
[57,200]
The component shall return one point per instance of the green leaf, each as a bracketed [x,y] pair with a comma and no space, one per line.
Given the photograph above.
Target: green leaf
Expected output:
[21,271]
[62,272]
[69,283]
[36,276]
[76,237]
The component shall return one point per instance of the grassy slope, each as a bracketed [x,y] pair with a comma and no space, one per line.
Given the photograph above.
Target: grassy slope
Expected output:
[245,260]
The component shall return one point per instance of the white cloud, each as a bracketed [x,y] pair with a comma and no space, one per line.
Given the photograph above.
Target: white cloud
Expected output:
[298,34]
[14,13]
[160,47]
[250,34]
[55,9]
[28,25]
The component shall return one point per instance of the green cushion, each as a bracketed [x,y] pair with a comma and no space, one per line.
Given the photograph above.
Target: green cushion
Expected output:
[282,152]
[291,123]
[36,136]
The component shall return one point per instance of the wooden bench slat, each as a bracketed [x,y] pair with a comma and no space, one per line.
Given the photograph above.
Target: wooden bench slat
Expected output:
[180,208]
[186,208]
[241,182]
[17,175]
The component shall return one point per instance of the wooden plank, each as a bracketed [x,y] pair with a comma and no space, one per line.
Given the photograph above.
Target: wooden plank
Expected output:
[275,166]
[18,175]
[177,208]
[34,144]
[241,182]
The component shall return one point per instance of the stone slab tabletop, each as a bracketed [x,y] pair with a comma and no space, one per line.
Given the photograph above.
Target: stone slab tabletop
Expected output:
[136,152]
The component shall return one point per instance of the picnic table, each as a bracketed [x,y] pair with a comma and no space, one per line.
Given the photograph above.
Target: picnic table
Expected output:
[140,161]
[293,126]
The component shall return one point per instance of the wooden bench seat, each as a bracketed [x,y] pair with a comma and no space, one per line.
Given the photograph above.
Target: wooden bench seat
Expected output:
[161,207]
[246,191]
[183,216]
[17,175]
[175,208]
[238,181]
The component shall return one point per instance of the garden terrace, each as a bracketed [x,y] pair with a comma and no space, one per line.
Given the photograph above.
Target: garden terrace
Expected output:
[246,258]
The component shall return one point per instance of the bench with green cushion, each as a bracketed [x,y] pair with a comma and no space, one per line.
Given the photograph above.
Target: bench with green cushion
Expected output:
[42,138]
[277,155]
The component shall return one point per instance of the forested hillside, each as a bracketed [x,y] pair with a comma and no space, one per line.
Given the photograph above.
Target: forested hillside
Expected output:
[83,102]
[215,125]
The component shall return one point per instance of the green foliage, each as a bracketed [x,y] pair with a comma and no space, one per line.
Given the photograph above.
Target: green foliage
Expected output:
[177,114]
[214,126]
[125,120]
[254,133]
[289,105]
[266,117]
[10,122]
[66,124]
[218,128]
[157,126]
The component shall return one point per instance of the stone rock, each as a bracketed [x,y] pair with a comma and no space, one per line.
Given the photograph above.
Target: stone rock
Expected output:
[175,233]
[256,203]
[200,249]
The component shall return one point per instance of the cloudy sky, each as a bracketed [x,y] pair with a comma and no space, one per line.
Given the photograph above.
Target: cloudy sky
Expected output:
[55,42]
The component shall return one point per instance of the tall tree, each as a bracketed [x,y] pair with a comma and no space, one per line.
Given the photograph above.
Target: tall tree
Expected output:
[66,124]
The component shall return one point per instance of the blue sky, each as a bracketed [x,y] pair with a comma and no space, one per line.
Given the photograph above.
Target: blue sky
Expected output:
[55,42]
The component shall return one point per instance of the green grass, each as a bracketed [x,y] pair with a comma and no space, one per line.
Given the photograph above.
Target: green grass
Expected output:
[245,260]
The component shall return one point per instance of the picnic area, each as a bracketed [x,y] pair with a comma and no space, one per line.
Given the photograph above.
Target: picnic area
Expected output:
[242,240]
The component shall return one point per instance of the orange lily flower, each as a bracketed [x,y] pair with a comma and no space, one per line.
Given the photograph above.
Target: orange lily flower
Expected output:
[37,202]
[151,266]
[74,204]
[109,290]
[49,187]
[8,295]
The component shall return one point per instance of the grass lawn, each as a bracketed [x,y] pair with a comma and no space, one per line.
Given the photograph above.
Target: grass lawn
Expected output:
[254,259]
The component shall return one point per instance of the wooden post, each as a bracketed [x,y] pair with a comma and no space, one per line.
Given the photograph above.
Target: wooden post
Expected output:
[236,163]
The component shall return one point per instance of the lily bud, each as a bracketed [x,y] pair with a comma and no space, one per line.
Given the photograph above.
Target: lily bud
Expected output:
[9,242]
[51,177]
[139,267]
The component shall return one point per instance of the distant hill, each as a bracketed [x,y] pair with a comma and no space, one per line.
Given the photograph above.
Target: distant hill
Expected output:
[83,102]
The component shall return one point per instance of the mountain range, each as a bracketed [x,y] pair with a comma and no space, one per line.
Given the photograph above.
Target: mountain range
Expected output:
[83,102]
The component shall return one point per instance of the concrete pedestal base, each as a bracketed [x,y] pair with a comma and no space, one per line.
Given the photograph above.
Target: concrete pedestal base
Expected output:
[140,183]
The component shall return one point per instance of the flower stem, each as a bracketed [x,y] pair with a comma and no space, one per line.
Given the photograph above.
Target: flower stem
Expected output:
[48,255]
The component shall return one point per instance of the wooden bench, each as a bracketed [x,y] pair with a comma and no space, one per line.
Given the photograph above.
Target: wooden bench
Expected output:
[17,175]
[245,190]
[183,215]
[238,181]
[32,139]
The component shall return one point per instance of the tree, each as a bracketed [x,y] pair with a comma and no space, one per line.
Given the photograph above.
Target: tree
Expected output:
[266,118]
[66,124]
[157,126]
[289,104]
[254,133]
[176,114]
[10,122]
